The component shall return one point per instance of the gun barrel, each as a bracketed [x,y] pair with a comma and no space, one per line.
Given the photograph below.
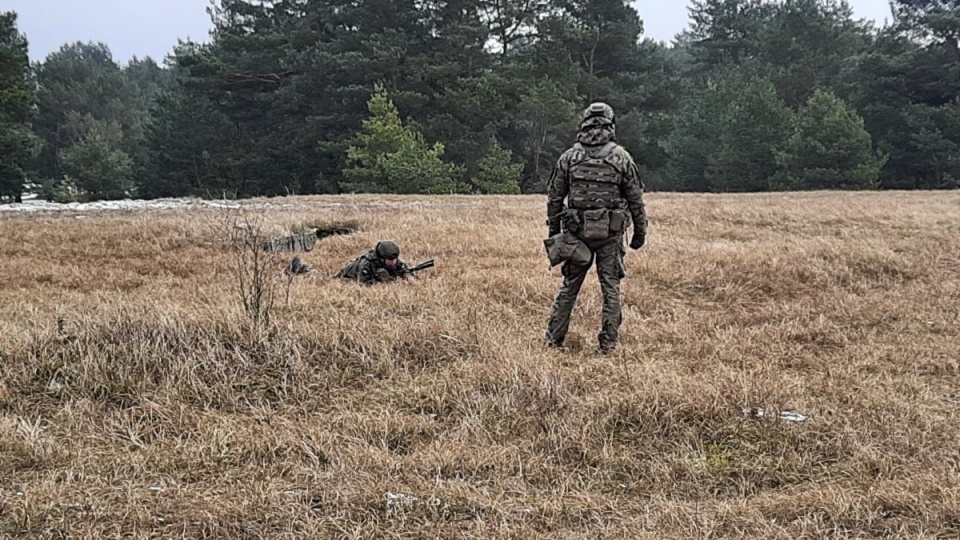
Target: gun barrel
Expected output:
[422,266]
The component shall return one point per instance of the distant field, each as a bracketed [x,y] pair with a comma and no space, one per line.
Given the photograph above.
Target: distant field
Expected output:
[429,409]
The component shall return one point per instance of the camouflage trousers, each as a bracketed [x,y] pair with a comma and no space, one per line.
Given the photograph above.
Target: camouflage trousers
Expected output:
[608,255]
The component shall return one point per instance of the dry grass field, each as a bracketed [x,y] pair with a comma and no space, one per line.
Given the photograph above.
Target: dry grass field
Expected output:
[154,408]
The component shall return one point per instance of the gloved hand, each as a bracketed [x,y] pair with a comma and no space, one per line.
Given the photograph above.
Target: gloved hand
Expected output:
[639,238]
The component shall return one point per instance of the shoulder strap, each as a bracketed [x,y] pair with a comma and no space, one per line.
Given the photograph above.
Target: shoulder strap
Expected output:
[606,150]
[614,158]
[577,154]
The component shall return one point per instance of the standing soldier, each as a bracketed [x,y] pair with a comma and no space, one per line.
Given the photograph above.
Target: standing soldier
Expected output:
[602,188]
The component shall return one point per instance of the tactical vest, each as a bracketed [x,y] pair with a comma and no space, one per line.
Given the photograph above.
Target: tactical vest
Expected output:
[353,268]
[594,181]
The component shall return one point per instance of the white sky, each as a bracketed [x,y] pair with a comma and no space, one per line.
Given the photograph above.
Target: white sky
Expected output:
[152,27]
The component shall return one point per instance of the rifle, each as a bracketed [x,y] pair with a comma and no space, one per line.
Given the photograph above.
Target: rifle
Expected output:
[306,240]
[412,270]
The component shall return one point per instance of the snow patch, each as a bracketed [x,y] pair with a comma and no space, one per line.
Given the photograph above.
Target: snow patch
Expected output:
[36,205]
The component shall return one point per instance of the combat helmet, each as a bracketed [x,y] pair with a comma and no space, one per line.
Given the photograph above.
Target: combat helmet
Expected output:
[387,249]
[597,114]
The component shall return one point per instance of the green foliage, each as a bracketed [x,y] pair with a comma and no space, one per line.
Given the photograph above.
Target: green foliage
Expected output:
[829,148]
[934,20]
[278,101]
[63,191]
[727,136]
[497,172]
[725,32]
[82,84]
[101,169]
[180,136]
[547,120]
[806,43]
[906,87]
[17,142]
[391,158]
[752,126]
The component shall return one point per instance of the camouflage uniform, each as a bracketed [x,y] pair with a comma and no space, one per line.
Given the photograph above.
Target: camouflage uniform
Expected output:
[603,191]
[370,267]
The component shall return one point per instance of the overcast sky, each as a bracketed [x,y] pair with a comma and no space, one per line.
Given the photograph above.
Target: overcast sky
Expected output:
[152,27]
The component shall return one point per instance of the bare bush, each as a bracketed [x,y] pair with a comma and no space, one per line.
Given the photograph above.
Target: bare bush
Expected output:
[255,270]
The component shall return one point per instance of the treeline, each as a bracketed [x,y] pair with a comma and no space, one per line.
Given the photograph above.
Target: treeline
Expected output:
[439,96]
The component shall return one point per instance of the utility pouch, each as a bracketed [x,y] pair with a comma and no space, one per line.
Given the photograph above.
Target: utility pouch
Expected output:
[619,221]
[596,224]
[565,247]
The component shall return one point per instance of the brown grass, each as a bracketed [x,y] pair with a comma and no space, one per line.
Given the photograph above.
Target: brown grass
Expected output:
[154,409]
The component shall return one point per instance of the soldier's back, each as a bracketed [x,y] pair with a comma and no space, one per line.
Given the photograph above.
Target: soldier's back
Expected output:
[354,269]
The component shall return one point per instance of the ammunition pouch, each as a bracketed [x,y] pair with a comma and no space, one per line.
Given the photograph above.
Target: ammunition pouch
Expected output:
[565,247]
[596,224]
[619,222]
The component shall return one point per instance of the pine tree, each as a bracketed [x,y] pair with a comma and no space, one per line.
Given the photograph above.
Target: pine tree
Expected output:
[829,148]
[497,173]
[95,161]
[391,158]
[17,142]
[729,135]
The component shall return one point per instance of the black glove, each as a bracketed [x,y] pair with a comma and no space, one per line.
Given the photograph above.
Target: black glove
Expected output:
[639,238]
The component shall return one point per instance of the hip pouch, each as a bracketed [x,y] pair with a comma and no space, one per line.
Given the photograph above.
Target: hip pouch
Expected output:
[565,247]
[596,224]
[619,221]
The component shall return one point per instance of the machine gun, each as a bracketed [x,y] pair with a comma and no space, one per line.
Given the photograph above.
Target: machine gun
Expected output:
[412,270]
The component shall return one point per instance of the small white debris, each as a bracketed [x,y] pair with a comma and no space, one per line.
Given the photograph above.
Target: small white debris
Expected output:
[793,416]
[19,494]
[786,416]
[400,498]
[398,501]
[161,520]
[156,488]
[54,386]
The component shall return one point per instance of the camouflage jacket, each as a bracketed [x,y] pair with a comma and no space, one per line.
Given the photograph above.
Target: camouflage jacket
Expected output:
[369,269]
[630,186]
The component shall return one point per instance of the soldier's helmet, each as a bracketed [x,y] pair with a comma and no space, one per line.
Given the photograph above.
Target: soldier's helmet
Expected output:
[597,114]
[387,249]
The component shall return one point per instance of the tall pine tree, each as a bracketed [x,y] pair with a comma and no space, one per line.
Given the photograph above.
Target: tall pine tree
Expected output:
[17,142]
